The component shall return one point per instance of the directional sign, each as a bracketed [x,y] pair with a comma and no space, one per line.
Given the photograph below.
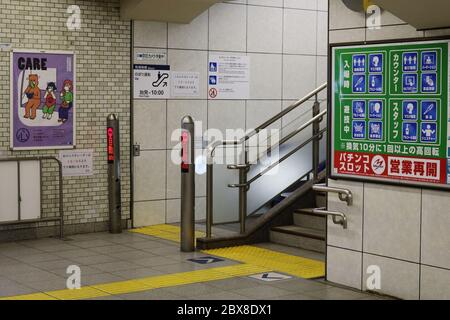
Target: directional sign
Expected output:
[270,276]
[206,260]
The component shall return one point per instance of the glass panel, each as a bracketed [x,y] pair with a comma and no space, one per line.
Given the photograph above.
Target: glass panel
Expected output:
[226,200]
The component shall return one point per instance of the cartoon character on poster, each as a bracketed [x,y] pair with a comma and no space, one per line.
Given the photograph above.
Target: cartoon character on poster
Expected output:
[43,100]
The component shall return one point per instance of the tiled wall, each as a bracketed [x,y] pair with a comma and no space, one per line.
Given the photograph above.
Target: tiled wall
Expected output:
[404,231]
[286,41]
[102,48]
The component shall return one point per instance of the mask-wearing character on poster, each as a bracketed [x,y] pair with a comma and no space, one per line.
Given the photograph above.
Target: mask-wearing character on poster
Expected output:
[50,101]
[66,101]
[33,93]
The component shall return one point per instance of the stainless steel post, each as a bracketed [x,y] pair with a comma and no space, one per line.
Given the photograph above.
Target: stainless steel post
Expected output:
[316,140]
[114,192]
[209,199]
[187,185]
[243,197]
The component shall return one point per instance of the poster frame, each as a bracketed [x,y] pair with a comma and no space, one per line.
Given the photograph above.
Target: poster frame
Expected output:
[11,90]
[330,114]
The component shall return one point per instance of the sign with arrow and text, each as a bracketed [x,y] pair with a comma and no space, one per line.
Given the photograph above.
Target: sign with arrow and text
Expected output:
[151,81]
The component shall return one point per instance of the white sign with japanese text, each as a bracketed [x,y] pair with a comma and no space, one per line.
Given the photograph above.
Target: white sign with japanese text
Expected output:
[76,163]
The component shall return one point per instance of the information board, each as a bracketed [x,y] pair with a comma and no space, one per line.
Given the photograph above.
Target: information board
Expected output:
[389,113]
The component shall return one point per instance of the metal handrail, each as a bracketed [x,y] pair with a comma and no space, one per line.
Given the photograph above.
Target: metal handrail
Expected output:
[244,168]
[344,194]
[59,218]
[285,157]
[215,144]
[338,217]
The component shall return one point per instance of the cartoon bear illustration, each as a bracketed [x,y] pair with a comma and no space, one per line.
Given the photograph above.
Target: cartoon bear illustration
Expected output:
[33,94]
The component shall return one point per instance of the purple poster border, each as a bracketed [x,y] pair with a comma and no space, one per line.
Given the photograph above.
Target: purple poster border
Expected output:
[43,100]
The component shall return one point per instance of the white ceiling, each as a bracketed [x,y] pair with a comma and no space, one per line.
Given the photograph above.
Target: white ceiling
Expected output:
[179,11]
[429,14]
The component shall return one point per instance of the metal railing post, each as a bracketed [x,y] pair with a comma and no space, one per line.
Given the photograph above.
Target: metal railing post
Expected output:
[187,185]
[209,199]
[243,192]
[114,192]
[316,141]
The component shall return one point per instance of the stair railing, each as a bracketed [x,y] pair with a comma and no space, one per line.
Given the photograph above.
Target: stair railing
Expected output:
[344,194]
[244,183]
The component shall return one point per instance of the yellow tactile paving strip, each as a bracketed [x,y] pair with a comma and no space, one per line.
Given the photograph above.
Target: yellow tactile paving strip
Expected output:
[164,231]
[145,284]
[255,260]
[273,260]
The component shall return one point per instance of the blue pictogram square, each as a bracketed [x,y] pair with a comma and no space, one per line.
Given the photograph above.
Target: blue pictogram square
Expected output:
[409,131]
[429,110]
[410,110]
[428,132]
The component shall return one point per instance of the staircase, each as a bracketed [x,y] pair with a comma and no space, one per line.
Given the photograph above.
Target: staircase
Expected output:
[307,232]
[288,207]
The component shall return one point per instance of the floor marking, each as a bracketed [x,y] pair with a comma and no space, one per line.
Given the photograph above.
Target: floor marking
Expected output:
[205,260]
[273,260]
[255,261]
[145,284]
[270,276]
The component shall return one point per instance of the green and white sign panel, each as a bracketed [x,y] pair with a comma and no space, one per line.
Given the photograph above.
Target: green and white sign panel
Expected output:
[390,116]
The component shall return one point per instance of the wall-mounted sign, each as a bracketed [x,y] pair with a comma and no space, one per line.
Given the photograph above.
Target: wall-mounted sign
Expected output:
[77,163]
[389,113]
[229,77]
[42,100]
[151,81]
[185,84]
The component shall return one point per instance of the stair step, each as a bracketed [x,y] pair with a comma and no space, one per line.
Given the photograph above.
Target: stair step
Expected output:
[308,220]
[299,237]
[321,200]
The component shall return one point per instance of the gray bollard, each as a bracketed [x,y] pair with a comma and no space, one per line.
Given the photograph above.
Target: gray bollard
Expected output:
[114,193]
[187,185]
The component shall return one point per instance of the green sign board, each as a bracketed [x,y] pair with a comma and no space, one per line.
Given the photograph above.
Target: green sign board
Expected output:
[389,113]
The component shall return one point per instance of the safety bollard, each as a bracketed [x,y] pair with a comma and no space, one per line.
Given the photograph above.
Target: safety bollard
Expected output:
[187,185]
[114,192]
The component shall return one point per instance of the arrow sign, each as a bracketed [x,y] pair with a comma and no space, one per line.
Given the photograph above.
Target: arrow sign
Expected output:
[270,276]
[205,260]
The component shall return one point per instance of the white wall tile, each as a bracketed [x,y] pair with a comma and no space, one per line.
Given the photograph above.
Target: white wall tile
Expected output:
[150,34]
[173,214]
[398,278]
[150,182]
[265,76]
[350,238]
[177,109]
[271,3]
[260,111]
[344,267]
[322,5]
[174,178]
[322,75]
[436,228]
[300,32]
[190,36]
[228,27]
[392,221]
[192,61]
[301,4]
[434,284]
[226,114]
[150,123]
[299,76]
[149,213]
[322,33]
[265,29]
